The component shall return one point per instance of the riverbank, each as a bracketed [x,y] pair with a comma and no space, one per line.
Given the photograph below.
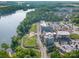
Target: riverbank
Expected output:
[9,23]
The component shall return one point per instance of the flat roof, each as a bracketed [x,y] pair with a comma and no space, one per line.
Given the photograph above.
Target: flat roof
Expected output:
[48,35]
[43,23]
[63,33]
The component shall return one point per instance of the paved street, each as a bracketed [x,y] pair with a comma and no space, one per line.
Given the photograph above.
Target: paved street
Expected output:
[22,44]
[41,46]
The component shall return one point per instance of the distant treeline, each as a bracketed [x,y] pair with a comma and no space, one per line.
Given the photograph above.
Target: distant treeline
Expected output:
[7,10]
[11,9]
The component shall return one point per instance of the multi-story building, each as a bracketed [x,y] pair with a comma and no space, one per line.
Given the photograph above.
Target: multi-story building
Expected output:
[47,34]
[48,39]
[63,37]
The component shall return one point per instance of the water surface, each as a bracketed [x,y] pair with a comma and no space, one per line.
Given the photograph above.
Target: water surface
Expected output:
[9,23]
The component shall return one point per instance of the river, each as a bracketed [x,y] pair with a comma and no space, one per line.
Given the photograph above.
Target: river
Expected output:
[9,23]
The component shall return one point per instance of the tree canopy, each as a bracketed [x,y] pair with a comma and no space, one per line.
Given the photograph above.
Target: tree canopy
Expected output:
[23,53]
[4,46]
[3,54]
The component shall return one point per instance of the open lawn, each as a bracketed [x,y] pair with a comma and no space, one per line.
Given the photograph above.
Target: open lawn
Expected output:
[77,25]
[33,28]
[29,41]
[74,36]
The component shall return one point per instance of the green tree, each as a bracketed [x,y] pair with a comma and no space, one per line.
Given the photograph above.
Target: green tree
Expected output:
[15,42]
[22,53]
[4,46]
[3,54]
[55,54]
[73,54]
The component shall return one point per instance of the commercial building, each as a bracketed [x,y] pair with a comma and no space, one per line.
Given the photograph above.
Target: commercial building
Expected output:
[48,38]
[63,37]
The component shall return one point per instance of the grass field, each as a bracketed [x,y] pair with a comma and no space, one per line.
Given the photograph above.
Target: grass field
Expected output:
[33,28]
[74,36]
[29,41]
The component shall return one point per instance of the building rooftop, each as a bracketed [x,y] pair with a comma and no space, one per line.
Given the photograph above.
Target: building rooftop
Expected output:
[63,33]
[43,23]
[48,35]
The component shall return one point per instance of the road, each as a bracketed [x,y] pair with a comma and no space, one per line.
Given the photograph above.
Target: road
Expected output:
[22,44]
[41,46]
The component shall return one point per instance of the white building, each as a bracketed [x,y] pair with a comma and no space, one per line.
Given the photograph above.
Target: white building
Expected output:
[46,27]
[42,23]
[48,39]
[63,33]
